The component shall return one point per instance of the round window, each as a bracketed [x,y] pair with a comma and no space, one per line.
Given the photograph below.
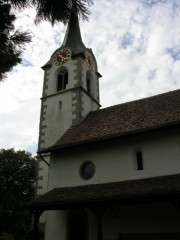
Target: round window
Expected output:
[87,170]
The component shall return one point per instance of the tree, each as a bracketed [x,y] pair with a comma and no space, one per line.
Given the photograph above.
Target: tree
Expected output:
[11,41]
[17,181]
[53,11]
[60,11]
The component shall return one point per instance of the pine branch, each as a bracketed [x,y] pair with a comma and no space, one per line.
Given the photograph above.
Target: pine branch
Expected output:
[20,38]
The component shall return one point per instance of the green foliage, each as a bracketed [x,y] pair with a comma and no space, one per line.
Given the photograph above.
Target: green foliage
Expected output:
[60,11]
[17,180]
[11,41]
[53,10]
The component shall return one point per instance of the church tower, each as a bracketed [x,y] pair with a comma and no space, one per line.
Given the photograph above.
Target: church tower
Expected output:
[70,92]
[71,86]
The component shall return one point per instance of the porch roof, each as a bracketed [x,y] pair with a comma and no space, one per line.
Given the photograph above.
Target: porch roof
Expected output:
[108,193]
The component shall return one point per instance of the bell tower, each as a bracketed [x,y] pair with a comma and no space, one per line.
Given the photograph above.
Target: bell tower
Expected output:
[71,86]
[70,92]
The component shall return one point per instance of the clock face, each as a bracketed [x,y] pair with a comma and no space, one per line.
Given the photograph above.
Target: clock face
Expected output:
[62,56]
[90,62]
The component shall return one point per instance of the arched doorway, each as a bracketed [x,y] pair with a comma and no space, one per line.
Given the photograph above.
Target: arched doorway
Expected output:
[77,226]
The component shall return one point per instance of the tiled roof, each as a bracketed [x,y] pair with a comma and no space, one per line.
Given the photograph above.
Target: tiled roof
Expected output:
[137,116]
[124,191]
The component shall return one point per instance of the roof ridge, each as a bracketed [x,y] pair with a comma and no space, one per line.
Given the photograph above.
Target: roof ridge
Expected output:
[136,100]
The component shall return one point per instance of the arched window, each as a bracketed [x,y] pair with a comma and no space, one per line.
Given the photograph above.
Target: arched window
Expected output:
[62,80]
[77,226]
[88,82]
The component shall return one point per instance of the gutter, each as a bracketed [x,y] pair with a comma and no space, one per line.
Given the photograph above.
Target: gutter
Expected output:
[43,159]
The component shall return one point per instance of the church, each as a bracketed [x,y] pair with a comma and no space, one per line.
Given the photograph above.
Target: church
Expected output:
[103,174]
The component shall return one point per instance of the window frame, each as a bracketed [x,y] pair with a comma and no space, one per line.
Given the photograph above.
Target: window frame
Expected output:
[62,79]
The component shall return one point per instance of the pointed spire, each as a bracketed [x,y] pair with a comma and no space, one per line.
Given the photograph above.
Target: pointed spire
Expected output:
[73,38]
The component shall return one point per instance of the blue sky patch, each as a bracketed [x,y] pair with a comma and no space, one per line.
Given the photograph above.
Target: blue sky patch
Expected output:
[152,74]
[127,40]
[174,53]
[151,3]
[176,6]
[32,149]
[27,63]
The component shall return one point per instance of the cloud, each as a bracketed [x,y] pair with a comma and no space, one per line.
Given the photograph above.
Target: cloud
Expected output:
[136,44]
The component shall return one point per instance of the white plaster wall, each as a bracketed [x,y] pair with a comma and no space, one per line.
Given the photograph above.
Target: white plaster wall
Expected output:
[88,104]
[94,83]
[55,225]
[117,162]
[92,220]
[162,217]
[58,119]
[42,183]
[70,65]
[43,174]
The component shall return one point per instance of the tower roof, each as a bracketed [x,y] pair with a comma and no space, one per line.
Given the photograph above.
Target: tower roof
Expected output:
[73,38]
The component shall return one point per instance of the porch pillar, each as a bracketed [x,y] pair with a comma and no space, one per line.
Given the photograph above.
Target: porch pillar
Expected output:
[99,223]
[37,215]
[99,213]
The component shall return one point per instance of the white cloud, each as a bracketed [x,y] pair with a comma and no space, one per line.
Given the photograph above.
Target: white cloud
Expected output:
[136,44]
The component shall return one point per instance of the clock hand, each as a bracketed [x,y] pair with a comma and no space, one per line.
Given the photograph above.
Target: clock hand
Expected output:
[63,57]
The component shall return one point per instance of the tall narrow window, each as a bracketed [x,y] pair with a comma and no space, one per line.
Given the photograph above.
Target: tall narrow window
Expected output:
[139,159]
[62,80]
[88,85]
[89,82]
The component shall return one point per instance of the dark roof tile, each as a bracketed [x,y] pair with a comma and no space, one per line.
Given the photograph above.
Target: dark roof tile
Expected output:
[127,118]
[65,197]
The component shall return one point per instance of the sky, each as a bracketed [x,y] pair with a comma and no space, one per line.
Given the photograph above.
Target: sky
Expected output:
[137,47]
